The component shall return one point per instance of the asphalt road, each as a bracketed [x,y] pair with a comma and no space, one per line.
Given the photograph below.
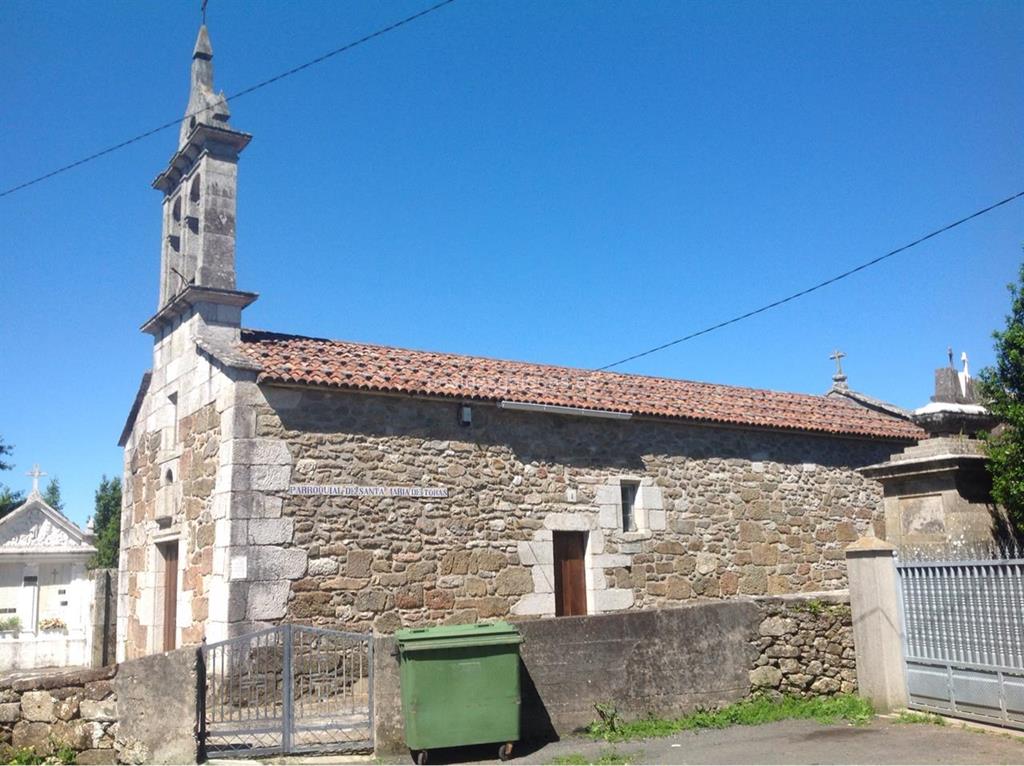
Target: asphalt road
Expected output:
[799,742]
[882,741]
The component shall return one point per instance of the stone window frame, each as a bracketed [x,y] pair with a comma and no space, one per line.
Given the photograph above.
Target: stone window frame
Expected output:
[630,522]
[648,510]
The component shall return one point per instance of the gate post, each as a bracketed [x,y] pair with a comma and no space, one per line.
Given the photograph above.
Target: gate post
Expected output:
[877,623]
[287,696]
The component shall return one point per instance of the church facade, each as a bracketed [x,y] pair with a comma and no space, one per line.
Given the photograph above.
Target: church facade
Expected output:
[272,477]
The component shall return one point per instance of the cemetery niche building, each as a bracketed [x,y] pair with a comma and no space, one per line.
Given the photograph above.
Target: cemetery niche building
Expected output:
[271,477]
[45,590]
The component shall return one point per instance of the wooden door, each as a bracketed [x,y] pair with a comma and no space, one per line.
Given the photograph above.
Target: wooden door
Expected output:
[570,578]
[170,554]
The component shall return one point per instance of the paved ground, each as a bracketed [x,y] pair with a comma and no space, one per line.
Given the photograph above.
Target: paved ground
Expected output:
[799,742]
[882,741]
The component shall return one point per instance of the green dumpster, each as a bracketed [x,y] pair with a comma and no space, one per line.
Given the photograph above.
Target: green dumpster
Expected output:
[460,686]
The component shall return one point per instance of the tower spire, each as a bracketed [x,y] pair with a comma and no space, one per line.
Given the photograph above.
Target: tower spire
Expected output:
[205,106]
[197,261]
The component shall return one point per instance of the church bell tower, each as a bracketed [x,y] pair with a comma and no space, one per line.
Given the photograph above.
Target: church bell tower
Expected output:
[197,260]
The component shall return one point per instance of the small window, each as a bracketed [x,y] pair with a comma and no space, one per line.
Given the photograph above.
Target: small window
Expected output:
[30,580]
[61,591]
[629,490]
[63,603]
[173,399]
[9,610]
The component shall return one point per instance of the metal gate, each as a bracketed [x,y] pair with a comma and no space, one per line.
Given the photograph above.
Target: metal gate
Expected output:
[964,638]
[287,689]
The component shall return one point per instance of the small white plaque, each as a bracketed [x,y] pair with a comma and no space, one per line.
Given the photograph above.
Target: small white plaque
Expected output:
[239,567]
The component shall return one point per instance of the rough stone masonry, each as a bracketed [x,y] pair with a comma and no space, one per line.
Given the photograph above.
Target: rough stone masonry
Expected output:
[727,511]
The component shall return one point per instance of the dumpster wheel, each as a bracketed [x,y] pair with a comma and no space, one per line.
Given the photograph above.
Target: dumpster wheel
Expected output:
[505,751]
[420,756]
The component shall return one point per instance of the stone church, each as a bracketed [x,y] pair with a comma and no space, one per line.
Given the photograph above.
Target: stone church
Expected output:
[271,477]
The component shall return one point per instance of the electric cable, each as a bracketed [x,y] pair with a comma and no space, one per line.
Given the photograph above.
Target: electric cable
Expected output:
[801,293]
[232,97]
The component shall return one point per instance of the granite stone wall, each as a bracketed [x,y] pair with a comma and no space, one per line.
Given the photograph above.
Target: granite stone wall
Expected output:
[139,712]
[76,710]
[804,646]
[721,512]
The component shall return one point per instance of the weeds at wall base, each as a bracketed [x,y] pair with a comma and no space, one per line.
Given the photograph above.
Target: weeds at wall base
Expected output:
[24,756]
[909,716]
[610,757]
[753,712]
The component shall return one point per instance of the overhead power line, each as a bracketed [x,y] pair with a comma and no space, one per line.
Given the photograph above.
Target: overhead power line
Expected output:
[234,96]
[818,286]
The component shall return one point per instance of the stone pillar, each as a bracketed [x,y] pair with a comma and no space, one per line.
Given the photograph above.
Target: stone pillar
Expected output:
[877,623]
[103,623]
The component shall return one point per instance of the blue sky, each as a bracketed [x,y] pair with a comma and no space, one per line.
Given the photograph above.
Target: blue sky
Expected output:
[564,182]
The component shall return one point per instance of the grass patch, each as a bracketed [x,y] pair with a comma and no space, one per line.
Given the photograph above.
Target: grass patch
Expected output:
[910,716]
[814,606]
[27,756]
[753,712]
[610,757]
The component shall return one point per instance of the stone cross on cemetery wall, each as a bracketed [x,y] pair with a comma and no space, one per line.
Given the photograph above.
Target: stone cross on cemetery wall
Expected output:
[35,473]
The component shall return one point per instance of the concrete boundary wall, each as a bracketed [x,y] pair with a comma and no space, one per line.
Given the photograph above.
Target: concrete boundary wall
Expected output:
[667,662]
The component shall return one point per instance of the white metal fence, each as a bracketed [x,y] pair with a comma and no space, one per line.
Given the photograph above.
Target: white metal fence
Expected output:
[964,638]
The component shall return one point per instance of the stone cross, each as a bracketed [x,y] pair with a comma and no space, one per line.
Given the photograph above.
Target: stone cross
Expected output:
[838,355]
[839,379]
[35,473]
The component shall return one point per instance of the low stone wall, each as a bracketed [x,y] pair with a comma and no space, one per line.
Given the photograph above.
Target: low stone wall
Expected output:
[805,646]
[141,711]
[664,662]
[70,709]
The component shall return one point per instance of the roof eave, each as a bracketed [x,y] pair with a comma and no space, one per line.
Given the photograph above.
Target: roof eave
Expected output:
[270,379]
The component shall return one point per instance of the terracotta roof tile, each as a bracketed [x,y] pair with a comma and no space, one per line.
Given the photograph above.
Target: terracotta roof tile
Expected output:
[341,364]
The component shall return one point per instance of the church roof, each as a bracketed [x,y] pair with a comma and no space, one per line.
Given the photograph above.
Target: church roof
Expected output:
[293,359]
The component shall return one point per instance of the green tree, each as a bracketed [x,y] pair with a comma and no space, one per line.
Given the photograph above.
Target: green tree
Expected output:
[1002,389]
[9,499]
[51,495]
[107,524]
[6,450]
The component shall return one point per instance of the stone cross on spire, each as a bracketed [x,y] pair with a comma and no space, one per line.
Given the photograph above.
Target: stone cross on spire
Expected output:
[35,473]
[839,379]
